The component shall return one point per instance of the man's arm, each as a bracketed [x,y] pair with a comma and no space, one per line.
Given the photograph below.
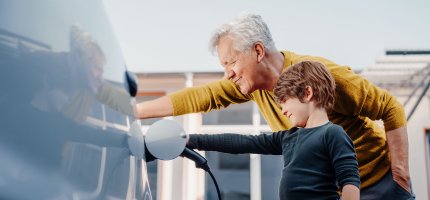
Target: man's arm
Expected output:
[342,153]
[214,95]
[397,140]
[160,107]
[350,192]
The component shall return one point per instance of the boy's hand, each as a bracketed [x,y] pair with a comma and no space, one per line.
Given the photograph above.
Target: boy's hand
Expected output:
[350,192]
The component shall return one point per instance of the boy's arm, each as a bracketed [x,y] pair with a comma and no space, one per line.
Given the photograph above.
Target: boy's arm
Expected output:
[350,192]
[237,143]
[343,157]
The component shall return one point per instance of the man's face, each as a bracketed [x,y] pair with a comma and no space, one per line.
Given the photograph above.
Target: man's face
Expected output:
[239,67]
[296,111]
[94,73]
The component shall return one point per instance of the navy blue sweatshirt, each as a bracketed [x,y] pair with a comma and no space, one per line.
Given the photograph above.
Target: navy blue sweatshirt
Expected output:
[317,161]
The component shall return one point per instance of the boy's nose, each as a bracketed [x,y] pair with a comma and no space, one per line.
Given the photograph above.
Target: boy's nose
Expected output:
[284,110]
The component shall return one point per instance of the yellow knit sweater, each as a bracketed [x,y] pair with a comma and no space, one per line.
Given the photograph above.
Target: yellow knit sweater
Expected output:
[357,104]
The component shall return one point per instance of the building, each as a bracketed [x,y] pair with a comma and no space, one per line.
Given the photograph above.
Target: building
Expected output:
[406,74]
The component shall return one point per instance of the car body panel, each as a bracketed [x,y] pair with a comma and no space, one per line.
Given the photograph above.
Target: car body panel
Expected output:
[65,115]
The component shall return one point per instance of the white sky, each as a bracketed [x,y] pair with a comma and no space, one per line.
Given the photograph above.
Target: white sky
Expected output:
[172,36]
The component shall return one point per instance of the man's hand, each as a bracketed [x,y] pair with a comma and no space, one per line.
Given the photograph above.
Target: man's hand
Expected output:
[160,107]
[397,140]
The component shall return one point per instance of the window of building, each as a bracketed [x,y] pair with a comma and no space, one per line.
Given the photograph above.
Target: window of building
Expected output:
[271,172]
[235,114]
[232,173]
[262,120]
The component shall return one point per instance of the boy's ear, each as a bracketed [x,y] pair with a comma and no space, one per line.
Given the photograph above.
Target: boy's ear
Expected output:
[309,93]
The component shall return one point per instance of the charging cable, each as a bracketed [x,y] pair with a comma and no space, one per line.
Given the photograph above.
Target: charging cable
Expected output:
[201,163]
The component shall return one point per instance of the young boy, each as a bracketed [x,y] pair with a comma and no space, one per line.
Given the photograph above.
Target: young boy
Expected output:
[319,157]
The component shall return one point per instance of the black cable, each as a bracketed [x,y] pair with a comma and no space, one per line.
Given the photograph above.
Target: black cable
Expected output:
[216,184]
[201,163]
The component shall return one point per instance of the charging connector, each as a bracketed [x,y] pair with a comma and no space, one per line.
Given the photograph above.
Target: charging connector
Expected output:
[201,163]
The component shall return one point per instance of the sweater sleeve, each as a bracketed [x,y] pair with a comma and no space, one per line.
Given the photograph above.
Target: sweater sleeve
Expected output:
[238,143]
[215,95]
[343,157]
[116,98]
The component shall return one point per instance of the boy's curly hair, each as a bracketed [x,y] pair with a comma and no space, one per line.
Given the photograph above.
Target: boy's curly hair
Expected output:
[293,81]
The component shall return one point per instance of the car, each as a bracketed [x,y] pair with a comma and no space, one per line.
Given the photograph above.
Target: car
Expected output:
[67,110]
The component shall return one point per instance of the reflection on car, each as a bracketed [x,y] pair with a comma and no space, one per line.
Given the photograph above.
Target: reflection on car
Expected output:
[66,117]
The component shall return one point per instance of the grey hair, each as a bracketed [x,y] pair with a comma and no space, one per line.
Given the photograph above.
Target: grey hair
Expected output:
[246,30]
[83,45]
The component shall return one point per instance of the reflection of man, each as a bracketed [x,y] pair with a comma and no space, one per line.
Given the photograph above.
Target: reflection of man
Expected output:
[75,79]
[46,93]
[252,67]
[87,59]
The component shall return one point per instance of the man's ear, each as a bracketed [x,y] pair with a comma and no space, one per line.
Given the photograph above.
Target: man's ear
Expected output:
[260,50]
[309,93]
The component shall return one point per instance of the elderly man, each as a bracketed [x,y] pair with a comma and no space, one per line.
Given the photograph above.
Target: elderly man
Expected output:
[252,67]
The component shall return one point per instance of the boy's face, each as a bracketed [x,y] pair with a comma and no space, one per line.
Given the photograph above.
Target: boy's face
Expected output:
[296,111]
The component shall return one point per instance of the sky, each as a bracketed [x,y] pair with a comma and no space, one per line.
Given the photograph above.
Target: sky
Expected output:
[172,36]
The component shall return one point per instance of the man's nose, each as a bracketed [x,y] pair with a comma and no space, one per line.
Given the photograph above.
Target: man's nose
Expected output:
[229,73]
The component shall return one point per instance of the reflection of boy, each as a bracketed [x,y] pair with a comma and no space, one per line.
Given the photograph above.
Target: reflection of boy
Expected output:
[319,157]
